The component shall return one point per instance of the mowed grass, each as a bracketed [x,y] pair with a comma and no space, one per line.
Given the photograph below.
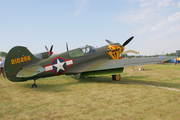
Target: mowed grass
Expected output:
[66,97]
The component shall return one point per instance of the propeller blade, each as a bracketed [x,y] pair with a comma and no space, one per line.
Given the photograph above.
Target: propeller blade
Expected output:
[109,41]
[46,48]
[51,48]
[67,47]
[127,41]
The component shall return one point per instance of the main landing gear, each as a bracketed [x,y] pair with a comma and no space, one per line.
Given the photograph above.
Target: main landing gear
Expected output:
[116,77]
[34,85]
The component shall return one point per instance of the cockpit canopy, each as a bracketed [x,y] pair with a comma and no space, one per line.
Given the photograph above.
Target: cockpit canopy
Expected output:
[88,49]
[82,51]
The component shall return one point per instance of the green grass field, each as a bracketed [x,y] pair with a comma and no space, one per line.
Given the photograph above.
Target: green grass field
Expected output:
[150,94]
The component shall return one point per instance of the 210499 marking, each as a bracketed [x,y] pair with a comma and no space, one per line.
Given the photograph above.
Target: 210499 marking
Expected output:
[20,60]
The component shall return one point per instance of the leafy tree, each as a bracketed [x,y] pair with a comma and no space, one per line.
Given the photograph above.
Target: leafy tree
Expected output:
[3,54]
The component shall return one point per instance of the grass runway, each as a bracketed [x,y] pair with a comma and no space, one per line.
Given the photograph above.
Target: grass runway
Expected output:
[150,94]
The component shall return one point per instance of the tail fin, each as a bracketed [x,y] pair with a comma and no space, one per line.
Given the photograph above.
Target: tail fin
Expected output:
[17,58]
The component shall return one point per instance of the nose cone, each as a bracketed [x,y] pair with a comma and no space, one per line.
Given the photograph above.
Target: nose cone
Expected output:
[115,50]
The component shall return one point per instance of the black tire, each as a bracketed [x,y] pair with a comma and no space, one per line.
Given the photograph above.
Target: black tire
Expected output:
[34,86]
[116,77]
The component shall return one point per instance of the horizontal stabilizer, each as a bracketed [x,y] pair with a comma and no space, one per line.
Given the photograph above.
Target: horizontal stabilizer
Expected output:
[30,71]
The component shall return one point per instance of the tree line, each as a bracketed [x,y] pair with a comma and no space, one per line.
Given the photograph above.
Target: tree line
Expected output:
[173,54]
[139,56]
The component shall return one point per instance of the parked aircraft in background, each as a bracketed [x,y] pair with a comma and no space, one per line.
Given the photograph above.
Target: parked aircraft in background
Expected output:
[172,61]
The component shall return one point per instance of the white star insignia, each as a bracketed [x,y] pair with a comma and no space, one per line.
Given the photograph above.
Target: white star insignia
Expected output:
[59,65]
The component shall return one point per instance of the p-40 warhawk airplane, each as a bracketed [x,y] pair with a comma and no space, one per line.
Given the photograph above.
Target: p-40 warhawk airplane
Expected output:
[21,65]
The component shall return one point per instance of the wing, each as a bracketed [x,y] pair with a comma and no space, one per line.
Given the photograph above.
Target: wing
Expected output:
[114,66]
[139,61]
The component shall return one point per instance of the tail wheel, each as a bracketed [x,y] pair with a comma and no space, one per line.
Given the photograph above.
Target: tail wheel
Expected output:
[34,85]
[116,77]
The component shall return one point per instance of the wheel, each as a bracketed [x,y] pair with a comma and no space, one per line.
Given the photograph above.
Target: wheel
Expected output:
[34,86]
[116,77]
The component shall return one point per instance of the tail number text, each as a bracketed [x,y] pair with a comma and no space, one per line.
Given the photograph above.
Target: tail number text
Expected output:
[20,60]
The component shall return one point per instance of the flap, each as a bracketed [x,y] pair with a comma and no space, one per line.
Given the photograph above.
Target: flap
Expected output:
[30,71]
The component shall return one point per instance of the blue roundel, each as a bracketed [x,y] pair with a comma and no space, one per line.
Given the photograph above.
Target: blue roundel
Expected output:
[59,65]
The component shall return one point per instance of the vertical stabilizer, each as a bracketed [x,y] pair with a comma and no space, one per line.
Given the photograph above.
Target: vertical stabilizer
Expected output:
[17,58]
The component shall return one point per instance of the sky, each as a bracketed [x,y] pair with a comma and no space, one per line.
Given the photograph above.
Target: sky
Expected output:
[155,24]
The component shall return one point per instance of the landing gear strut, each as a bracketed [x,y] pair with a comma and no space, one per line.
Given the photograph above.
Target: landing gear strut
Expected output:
[34,85]
[116,77]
